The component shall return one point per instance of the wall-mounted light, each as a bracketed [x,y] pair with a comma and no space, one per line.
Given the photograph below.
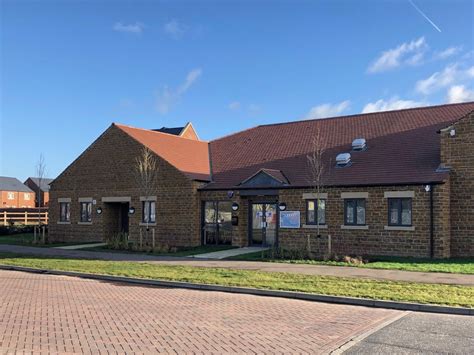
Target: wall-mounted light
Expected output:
[282,206]
[230,194]
[99,210]
[131,210]
[452,132]
[427,188]
[235,206]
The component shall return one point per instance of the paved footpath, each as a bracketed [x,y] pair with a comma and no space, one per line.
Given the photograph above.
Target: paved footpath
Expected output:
[59,314]
[339,271]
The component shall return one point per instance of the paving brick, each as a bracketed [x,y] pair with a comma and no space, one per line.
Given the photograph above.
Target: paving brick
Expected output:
[59,314]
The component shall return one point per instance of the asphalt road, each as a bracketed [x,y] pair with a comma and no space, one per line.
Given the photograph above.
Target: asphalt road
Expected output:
[421,333]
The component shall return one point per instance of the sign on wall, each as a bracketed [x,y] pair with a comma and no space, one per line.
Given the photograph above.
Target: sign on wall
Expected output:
[289,219]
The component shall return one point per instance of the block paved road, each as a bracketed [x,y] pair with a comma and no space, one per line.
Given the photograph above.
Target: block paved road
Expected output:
[58,314]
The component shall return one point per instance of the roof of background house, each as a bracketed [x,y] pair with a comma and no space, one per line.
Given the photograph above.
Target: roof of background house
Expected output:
[12,184]
[190,156]
[44,183]
[170,130]
[403,148]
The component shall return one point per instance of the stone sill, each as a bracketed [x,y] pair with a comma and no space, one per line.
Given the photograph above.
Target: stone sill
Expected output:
[149,224]
[85,223]
[399,228]
[355,227]
[314,226]
[59,222]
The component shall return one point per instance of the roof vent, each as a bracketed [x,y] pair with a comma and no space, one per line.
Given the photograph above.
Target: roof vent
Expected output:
[359,144]
[343,160]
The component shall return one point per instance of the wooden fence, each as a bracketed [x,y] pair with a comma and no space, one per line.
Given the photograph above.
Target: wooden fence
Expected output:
[29,218]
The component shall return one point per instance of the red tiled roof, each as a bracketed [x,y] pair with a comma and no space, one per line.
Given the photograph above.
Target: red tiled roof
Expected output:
[403,148]
[187,155]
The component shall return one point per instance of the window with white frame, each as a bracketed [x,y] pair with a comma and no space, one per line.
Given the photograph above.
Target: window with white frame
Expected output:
[11,195]
[26,196]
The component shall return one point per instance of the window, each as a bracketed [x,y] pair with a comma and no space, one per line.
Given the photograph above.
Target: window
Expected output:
[149,211]
[64,212]
[217,222]
[314,216]
[354,212]
[26,196]
[11,195]
[86,211]
[399,211]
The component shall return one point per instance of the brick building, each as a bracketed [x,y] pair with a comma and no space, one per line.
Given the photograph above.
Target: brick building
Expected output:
[393,183]
[13,194]
[41,188]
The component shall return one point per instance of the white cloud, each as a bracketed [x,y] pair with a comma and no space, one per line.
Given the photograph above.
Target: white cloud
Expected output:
[448,52]
[450,75]
[136,28]
[459,93]
[234,106]
[174,28]
[167,97]
[394,103]
[254,108]
[406,53]
[328,110]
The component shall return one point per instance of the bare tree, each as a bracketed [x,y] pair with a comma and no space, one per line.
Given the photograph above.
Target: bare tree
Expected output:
[40,171]
[146,173]
[316,169]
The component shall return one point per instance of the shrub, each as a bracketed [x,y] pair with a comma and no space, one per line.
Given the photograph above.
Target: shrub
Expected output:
[118,241]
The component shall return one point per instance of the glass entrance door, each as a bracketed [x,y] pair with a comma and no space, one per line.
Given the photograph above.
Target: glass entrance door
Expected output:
[264,224]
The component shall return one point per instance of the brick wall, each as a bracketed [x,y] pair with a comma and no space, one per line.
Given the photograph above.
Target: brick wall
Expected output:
[18,201]
[105,169]
[457,152]
[376,240]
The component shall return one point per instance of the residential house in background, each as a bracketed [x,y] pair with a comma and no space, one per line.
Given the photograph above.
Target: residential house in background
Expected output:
[14,194]
[34,184]
[397,183]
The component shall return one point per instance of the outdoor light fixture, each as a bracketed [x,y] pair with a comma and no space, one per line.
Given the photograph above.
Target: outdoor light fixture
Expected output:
[230,194]
[131,210]
[282,206]
[235,206]
[427,188]
[99,210]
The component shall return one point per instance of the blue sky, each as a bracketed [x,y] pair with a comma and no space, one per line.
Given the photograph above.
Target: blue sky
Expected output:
[71,68]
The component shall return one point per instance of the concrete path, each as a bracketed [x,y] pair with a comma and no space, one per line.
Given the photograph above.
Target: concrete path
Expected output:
[222,254]
[81,246]
[339,271]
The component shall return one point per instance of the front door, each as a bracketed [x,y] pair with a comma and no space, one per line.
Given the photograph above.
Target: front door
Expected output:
[123,221]
[263,224]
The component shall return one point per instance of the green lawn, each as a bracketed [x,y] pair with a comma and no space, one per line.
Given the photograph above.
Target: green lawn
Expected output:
[459,266]
[451,295]
[180,252]
[26,239]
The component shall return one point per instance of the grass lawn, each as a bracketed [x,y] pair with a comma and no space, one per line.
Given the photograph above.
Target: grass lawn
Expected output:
[26,239]
[451,295]
[181,252]
[459,266]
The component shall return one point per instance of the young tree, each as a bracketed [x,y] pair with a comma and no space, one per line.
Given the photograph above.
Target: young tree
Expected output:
[316,169]
[146,173]
[40,171]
